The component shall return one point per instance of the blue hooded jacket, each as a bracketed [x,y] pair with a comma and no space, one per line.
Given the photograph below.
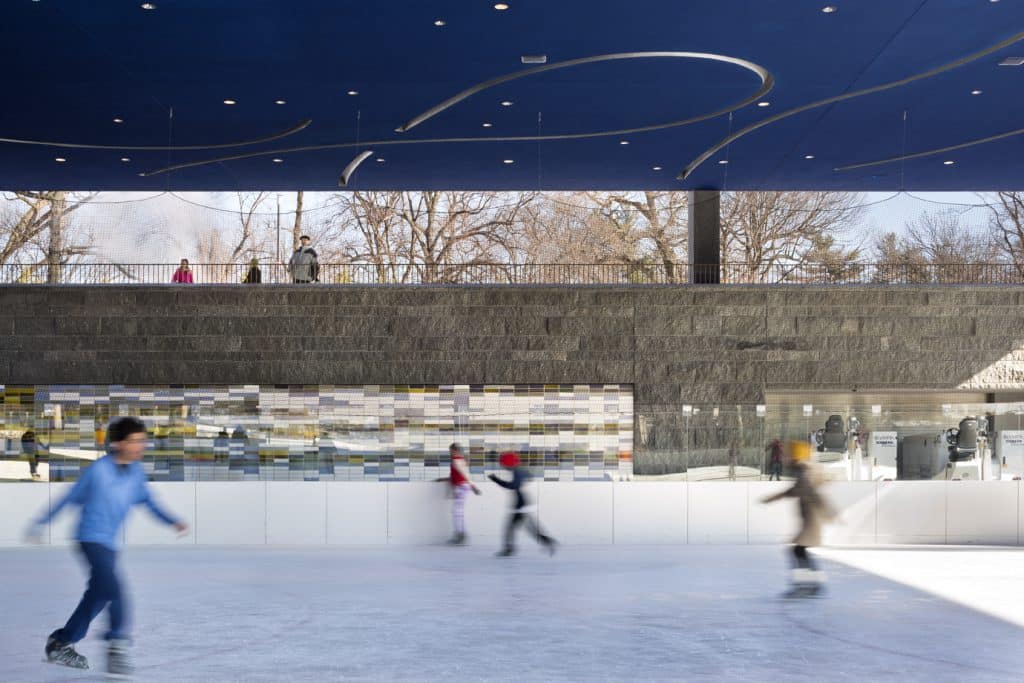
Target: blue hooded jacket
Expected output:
[106,492]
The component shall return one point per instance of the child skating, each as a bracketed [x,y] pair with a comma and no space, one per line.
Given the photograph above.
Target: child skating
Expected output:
[105,492]
[808,581]
[461,486]
[521,510]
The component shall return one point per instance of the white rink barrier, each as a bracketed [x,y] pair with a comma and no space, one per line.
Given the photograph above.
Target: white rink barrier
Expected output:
[594,513]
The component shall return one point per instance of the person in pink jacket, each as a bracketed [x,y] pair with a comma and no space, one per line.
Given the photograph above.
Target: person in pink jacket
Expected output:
[183,275]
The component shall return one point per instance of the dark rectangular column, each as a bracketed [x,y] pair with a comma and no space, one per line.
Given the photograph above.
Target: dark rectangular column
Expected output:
[705,236]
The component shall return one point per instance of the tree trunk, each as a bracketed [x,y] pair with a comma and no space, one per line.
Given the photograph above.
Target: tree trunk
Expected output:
[55,248]
[297,228]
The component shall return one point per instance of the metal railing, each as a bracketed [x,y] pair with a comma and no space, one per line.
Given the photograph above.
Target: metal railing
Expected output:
[525,274]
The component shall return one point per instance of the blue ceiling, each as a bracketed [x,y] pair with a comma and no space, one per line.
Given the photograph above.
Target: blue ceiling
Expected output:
[72,66]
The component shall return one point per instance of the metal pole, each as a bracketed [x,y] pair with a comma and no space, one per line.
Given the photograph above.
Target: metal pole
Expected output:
[277,234]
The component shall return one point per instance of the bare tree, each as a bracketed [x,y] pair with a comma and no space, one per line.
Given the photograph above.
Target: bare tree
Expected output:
[377,238]
[938,246]
[38,228]
[297,226]
[1007,222]
[651,229]
[227,246]
[958,251]
[899,262]
[771,236]
[443,234]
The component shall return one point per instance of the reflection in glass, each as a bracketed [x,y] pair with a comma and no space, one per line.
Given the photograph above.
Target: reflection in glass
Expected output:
[313,433]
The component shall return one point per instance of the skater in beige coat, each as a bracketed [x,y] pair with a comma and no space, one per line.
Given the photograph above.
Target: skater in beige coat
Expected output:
[815,511]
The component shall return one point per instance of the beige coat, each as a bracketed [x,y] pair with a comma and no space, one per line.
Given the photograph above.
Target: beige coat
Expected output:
[815,509]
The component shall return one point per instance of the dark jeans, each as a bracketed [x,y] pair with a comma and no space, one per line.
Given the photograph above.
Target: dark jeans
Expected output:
[802,559]
[104,588]
[775,470]
[514,520]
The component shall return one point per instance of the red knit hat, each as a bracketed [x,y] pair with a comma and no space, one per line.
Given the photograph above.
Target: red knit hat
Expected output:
[509,459]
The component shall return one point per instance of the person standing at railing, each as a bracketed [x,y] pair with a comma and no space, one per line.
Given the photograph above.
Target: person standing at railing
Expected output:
[183,275]
[303,264]
[254,276]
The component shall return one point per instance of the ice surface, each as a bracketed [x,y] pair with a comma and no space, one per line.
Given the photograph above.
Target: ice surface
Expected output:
[693,613]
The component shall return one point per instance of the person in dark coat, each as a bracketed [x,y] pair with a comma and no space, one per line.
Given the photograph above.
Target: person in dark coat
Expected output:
[29,448]
[521,510]
[815,511]
[254,275]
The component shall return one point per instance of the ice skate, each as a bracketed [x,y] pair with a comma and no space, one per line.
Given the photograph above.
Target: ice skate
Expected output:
[58,652]
[457,539]
[119,665]
[797,591]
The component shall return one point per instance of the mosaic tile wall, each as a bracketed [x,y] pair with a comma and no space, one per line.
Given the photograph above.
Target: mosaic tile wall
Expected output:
[317,433]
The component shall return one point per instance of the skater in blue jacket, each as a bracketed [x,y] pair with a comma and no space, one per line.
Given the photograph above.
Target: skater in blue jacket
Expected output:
[105,492]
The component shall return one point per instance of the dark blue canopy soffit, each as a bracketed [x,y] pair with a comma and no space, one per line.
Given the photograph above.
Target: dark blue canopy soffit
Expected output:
[872,95]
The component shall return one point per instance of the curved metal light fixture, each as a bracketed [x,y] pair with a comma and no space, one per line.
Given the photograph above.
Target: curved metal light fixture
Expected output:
[767,82]
[352,166]
[710,152]
[162,148]
[930,152]
[766,78]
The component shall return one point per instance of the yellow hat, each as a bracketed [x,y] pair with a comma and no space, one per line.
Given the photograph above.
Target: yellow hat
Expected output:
[799,451]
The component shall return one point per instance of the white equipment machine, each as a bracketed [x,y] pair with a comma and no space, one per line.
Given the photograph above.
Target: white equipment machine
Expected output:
[1010,450]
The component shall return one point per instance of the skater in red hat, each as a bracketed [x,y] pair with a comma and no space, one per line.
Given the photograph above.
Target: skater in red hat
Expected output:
[521,509]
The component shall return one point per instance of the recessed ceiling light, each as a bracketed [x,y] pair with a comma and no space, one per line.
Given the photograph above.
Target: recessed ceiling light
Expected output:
[723,162]
[118,120]
[487,124]
[148,5]
[509,161]
[279,102]
[808,156]
[977,92]
[948,162]
[230,102]
[125,159]
[828,9]
[440,22]
[506,103]
[353,93]
[623,142]
[380,160]
[278,160]
[656,168]
[534,59]
[1012,61]
[60,160]
[501,6]
[764,104]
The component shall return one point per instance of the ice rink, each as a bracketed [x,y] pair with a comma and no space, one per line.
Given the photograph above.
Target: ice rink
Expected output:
[693,613]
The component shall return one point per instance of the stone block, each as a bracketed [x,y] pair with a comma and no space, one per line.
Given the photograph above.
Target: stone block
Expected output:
[744,326]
